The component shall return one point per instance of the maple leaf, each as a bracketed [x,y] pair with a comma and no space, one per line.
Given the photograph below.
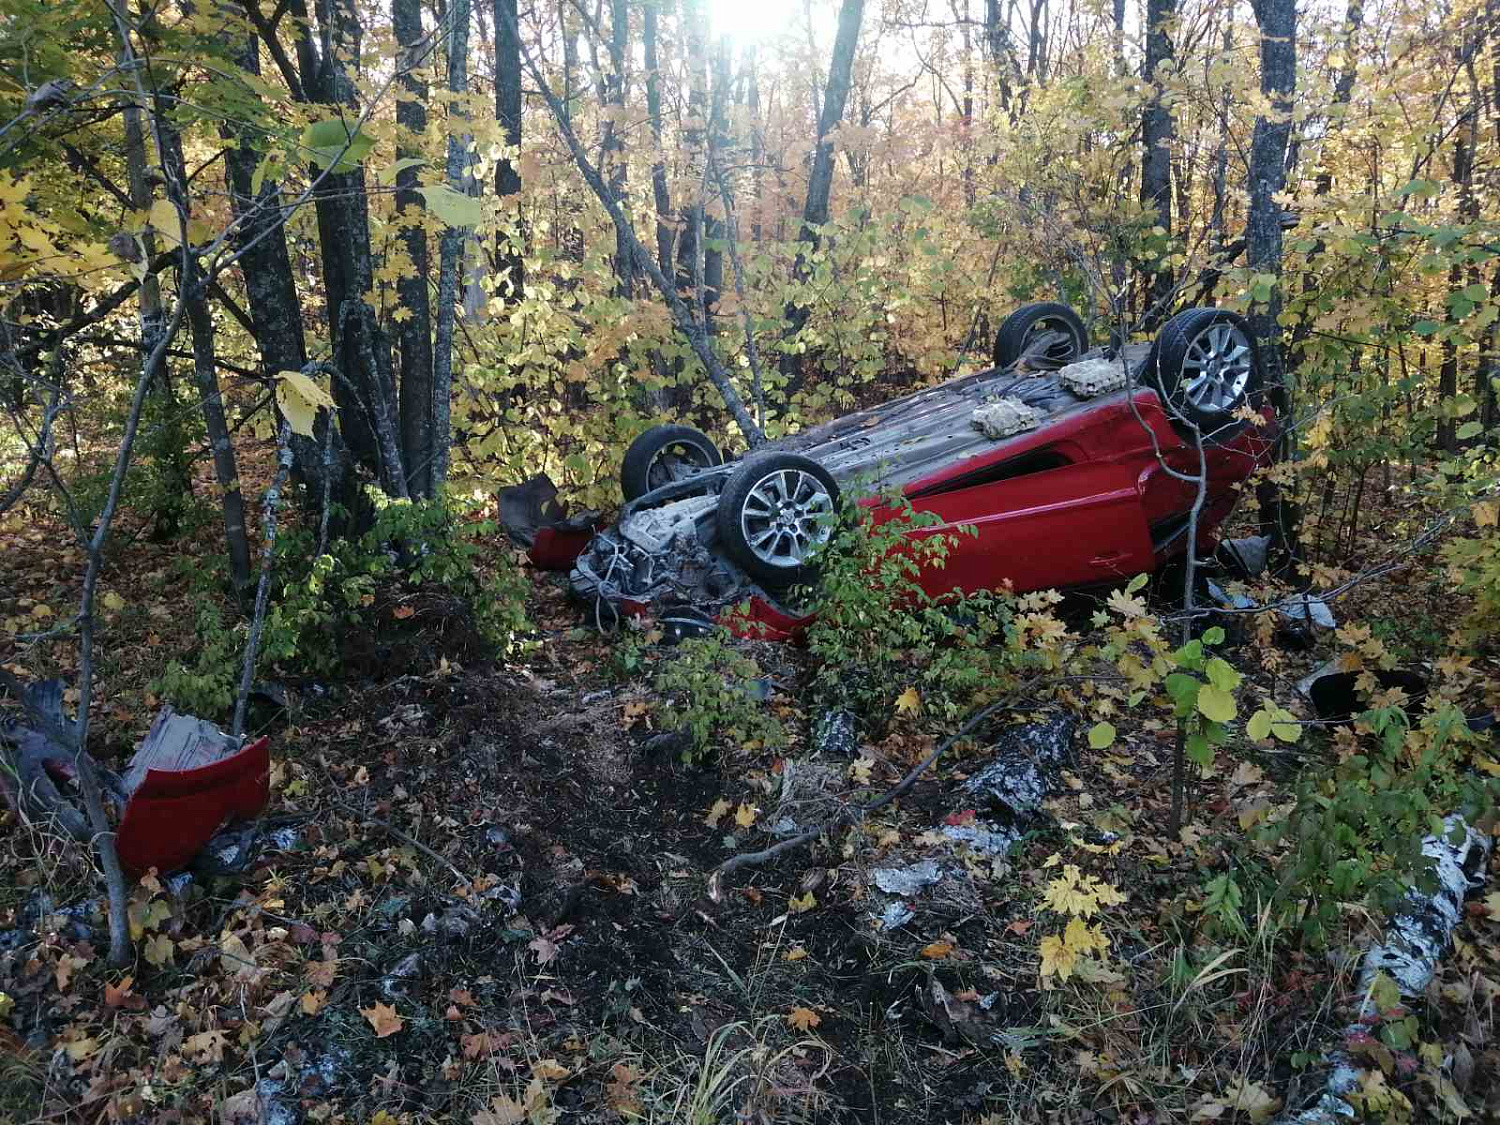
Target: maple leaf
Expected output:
[549,1070]
[937,950]
[1057,958]
[383,1018]
[909,702]
[545,950]
[803,1019]
[1083,938]
[744,816]
[313,1001]
[720,809]
[802,903]
[158,950]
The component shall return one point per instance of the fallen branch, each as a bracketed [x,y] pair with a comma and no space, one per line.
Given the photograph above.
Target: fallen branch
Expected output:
[853,814]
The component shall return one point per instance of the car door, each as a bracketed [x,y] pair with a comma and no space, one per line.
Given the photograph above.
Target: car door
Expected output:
[1064,513]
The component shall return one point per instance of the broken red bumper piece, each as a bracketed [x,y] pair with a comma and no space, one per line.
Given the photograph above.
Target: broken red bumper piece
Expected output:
[187,780]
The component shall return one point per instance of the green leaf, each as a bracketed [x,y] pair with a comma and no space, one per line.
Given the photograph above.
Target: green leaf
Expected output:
[1215,703]
[388,175]
[1468,430]
[1425,327]
[1183,689]
[1101,736]
[1222,675]
[299,399]
[453,207]
[1259,726]
[1136,583]
[330,145]
[1198,750]
[1214,635]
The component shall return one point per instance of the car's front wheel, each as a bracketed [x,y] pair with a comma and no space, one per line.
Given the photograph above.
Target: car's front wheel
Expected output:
[1205,367]
[775,510]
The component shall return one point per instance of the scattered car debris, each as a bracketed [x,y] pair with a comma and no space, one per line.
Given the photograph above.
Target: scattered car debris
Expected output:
[1416,939]
[185,781]
[895,915]
[836,734]
[1089,378]
[1025,769]
[534,517]
[984,837]
[907,881]
[1004,417]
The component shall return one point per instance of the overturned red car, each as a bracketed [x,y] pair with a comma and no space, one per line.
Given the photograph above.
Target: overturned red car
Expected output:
[1076,467]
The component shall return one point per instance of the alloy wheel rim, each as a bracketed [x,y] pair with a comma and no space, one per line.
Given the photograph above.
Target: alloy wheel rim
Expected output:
[785,515]
[1216,369]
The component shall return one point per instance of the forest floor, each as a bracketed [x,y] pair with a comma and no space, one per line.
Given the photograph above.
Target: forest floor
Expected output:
[555,951]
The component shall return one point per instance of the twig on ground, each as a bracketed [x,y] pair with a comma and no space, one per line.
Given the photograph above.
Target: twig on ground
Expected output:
[436,857]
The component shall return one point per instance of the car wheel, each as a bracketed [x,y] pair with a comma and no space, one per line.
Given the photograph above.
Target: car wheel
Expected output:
[1025,328]
[664,454]
[775,510]
[1204,365]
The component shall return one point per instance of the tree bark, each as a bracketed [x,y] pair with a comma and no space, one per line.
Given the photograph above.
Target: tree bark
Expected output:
[509,249]
[660,196]
[1157,133]
[616,90]
[1277,20]
[414,333]
[452,247]
[820,182]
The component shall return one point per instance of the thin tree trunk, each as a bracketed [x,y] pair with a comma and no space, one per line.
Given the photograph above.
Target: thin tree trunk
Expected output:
[616,90]
[659,193]
[820,182]
[452,247]
[507,176]
[414,333]
[1157,134]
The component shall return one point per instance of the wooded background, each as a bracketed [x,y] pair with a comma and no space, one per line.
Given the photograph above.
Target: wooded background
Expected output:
[504,239]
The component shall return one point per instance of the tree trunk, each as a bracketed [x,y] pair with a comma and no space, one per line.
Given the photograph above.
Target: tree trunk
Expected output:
[274,308]
[1157,133]
[414,333]
[820,182]
[616,90]
[365,388]
[193,287]
[452,247]
[1277,20]
[659,193]
[510,249]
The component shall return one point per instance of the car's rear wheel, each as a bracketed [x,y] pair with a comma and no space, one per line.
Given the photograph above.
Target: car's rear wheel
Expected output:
[775,511]
[664,454]
[1205,367]
[1050,329]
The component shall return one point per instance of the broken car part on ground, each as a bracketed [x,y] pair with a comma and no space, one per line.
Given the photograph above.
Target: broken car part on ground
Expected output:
[1069,466]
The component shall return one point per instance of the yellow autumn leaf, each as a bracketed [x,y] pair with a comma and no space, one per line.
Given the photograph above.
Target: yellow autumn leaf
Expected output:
[744,816]
[720,809]
[1057,959]
[299,399]
[802,903]
[383,1018]
[803,1019]
[1080,937]
[937,950]
[909,702]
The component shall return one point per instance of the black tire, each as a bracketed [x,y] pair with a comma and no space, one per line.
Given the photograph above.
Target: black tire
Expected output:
[1022,326]
[645,469]
[1220,347]
[809,512]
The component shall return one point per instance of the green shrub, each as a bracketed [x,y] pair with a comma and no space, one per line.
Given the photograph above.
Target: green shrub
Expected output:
[878,633]
[708,688]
